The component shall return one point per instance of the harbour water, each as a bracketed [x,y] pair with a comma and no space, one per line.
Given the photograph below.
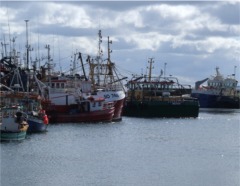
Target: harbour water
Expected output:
[134,152]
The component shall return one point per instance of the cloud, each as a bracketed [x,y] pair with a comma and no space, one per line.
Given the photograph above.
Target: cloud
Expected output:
[226,11]
[193,35]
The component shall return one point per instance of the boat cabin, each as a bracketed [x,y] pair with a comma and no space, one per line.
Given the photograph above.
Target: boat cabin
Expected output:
[159,86]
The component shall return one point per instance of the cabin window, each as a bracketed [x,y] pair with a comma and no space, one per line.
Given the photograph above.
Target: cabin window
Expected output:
[99,104]
[57,85]
[62,85]
[53,85]
[94,104]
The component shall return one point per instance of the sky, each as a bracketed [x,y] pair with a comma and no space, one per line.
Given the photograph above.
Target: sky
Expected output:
[187,39]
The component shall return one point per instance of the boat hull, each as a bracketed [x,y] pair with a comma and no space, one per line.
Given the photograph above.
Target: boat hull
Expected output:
[36,125]
[161,109]
[115,96]
[13,124]
[94,116]
[13,136]
[216,101]
[118,110]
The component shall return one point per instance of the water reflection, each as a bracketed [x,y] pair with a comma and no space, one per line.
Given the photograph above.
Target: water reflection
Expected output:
[219,110]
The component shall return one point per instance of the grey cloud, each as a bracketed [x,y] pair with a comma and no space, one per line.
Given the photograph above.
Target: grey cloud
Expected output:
[183,60]
[227,13]
[113,5]
[204,33]
[65,31]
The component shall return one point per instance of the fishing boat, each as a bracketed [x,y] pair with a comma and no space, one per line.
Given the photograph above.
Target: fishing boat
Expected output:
[105,79]
[17,85]
[62,90]
[64,102]
[30,102]
[219,92]
[163,97]
[13,123]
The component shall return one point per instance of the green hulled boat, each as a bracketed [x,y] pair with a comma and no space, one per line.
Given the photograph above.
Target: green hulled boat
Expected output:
[13,136]
[159,97]
[178,108]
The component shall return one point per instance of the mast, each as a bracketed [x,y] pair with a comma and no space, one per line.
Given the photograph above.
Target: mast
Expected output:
[73,71]
[235,67]
[150,68]
[48,64]
[165,64]
[84,73]
[27,51]
[27,46]
[15,61]
[109,71]
[217,71]
[99,56]
[4,47]
[9,32]
[109,60]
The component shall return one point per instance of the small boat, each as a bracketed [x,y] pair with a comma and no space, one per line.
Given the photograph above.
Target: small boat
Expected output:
[37,117]
[13,123]
[159,96]
[219,92]
[37,122]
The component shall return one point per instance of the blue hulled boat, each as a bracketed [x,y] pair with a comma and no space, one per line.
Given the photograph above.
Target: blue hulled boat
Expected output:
[220,92]
[37,118]
[36,123]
